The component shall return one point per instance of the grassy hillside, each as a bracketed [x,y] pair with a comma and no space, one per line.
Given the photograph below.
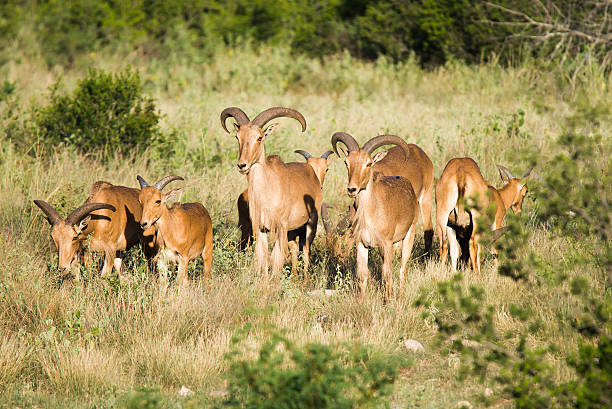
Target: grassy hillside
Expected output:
[73,346]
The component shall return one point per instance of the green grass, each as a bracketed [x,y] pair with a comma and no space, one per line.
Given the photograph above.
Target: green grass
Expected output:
[73,346]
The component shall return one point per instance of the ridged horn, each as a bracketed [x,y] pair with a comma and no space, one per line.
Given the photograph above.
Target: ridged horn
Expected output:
[326,154]
[81,212]
[497,233]
[143,183]
[52,215]
[160,184]
[346,139]
[505,171]
[236,113]
[526,175]
[276,112]
[381,140]
[305,154]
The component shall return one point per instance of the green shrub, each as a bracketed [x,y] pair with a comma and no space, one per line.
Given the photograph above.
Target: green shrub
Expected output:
[105,112]
[284,375]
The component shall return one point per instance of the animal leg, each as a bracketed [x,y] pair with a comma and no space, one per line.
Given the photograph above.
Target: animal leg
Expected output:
[109,258]
[474,252]
[182,277]
[311,232]
[244,221]
[279,251]
[387,270]
[261,254]
[455,252]
[294,248]
[162,268]
[118,264]
[426,203]
[362,268]
[207,255]
[407,244]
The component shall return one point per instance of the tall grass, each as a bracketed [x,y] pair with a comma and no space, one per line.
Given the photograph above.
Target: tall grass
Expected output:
[70,345]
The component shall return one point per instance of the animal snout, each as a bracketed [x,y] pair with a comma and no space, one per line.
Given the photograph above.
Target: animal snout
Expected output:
[241,166]
[143,225]
[351,190]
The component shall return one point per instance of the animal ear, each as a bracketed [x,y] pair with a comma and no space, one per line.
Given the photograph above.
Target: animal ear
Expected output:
[236,127]
[270,128]
[80,228]
[171,194]
[330,159]
[504,173]
[379,156]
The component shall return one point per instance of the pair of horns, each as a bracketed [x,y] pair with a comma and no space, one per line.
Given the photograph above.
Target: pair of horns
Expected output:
[505,171]
[262,118]
[77,214]
[160,184]
[370,146]
[307,155]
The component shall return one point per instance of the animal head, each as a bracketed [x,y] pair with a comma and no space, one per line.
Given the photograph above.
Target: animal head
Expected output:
[251,135]
[152,199]
[320,165]
[518,187]
[67,233]
[359,161]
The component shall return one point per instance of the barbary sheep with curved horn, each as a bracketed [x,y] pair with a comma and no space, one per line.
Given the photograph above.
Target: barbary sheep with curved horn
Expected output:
[281,196]
[462,181]
[297,238]
[386,208]
[112,213]
[183,232]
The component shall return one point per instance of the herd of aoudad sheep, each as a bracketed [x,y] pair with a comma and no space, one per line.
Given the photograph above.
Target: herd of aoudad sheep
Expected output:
[284,200]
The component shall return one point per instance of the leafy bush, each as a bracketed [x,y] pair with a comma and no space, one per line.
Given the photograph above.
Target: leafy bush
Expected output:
[574,198]
[284,375]
[106,111]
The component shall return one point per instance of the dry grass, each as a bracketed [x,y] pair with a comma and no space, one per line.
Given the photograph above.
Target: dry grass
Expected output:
[73,345]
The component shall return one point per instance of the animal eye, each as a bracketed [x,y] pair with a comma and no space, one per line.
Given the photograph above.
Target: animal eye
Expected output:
[158,201]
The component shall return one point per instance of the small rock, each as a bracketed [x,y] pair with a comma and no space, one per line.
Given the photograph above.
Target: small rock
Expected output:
[464,404]
[468,343]
[322,293]
[185,392]
[413,345]
[488,392]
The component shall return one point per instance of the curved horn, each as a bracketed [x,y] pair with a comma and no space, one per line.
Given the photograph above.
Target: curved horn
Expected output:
[52,215]
[346,139]
[381,140]
[526,175]
[505,171]
[160,184]
[326,154]
[276,112]
[81,212]
[236,113]
[305,154]
[143,183]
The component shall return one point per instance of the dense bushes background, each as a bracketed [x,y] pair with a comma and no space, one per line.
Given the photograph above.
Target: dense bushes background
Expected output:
[435,30]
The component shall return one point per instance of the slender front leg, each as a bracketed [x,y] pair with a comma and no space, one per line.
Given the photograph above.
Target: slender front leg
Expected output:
[118,264]
[294,249]
[453,244]
[407,244]
[362,268]
[311,232]
[162,268]
[109,259]
[261,254]
[183,278]
[387,270]
[474,252]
